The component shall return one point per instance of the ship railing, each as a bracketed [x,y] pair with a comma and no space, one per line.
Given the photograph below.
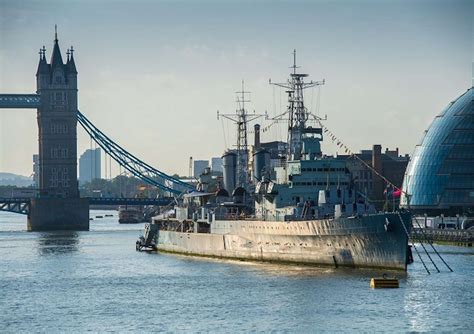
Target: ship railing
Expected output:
[234,216]
[281,164]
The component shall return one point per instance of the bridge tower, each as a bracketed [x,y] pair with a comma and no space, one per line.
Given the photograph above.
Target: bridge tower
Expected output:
[58,206]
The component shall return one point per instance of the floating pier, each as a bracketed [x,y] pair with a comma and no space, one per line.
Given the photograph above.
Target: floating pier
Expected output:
[384,283]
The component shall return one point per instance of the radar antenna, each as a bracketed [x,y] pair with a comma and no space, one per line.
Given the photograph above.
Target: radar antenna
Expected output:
[296,114]
[241,118]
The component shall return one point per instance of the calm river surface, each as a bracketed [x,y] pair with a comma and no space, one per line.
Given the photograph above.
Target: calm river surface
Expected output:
[96,281]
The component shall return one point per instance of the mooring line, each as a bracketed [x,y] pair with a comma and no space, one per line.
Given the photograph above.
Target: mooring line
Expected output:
[431,244]
[413,244]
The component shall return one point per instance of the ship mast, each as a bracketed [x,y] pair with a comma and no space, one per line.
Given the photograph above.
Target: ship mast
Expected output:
[241,118]
[297,113]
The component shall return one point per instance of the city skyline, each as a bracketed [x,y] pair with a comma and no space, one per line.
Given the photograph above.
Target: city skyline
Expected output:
[385,81]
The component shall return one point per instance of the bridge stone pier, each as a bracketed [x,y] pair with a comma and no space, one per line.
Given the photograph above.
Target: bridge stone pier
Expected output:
[58,205]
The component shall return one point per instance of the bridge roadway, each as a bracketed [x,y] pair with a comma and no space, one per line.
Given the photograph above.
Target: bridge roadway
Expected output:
[131,201]
[22,205]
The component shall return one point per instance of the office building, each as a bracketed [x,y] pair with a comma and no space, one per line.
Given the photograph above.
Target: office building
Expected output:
[216,164]
[89,166]
[440,176]
[199,167]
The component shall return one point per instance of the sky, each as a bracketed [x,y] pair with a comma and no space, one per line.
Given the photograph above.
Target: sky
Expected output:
[153,74]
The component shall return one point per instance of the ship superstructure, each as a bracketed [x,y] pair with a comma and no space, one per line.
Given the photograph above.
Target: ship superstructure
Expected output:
[308,184]
[305,210]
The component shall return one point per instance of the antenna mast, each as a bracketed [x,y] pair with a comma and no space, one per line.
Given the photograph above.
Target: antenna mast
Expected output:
[298,114]
[190,171]
[241,118]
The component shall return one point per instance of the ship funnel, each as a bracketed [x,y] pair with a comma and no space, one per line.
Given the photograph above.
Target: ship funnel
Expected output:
[261,164]
[229,165]
[256,136]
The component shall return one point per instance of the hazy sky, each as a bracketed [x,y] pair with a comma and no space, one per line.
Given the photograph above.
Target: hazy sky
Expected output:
[153,74]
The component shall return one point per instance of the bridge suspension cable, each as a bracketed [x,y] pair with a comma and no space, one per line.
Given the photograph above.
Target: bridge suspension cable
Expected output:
[131,163]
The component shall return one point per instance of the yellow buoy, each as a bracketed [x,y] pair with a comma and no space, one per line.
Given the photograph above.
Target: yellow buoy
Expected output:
[384,282]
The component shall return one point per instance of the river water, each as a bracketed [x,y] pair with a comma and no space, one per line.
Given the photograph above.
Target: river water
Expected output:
[96,281]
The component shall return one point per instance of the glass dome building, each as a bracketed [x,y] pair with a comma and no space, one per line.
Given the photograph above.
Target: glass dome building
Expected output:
[440,176]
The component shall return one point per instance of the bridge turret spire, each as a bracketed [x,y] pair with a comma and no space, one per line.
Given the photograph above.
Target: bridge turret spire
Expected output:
[43,67]
[71,65]
[56,58]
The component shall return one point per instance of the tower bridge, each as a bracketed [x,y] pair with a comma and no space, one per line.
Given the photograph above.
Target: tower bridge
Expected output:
[58,205]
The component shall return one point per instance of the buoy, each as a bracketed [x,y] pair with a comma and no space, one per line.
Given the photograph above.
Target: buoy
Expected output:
[384,283]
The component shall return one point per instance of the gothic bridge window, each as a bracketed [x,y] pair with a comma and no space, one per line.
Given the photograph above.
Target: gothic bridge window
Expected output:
[59,177]
[58,78]
[59,128]
[59,153]
[58,98]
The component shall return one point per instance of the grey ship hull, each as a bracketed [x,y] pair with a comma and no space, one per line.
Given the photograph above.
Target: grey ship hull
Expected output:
[375,241]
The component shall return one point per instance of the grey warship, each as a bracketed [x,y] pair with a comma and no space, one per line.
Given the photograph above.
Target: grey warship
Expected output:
[303,210]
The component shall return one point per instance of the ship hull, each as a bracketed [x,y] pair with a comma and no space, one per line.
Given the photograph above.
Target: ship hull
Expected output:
[376,241]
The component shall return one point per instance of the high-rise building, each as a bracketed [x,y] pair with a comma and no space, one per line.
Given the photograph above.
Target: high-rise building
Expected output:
[199,166]
[89,166]
[216,164]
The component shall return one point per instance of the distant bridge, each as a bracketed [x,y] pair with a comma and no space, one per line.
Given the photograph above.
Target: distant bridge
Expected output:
[131,201]
[16,205]
[22,205]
